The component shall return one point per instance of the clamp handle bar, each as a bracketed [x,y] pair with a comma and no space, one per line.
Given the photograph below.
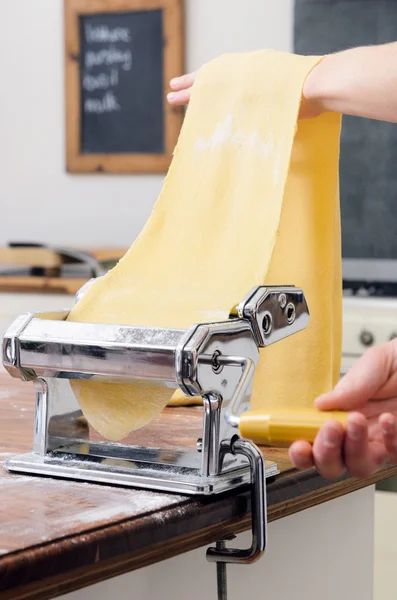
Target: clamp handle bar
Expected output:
[258,505]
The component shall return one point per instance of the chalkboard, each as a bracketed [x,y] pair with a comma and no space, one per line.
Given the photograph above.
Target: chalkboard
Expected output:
[121,66]
[120,57]
[368,173]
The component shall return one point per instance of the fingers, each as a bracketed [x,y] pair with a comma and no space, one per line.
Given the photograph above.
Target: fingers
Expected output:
[301,455]
[179,98]
[326,453]
[181,87]
[183,82]
[361,458]
[388,425]
[335,450]
[367,379]
[328,450]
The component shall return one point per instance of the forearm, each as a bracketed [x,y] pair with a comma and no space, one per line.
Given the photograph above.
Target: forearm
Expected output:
[360,82]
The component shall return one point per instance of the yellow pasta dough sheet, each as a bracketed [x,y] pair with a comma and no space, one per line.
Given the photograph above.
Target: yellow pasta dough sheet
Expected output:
[251,198]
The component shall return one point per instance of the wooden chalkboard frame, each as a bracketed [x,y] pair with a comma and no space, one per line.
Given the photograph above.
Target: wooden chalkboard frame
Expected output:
[173,65]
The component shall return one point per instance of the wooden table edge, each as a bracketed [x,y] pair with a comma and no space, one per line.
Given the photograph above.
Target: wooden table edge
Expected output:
[74,562]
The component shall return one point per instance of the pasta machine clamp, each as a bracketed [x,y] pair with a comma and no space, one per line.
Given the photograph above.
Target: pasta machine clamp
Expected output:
[213,360]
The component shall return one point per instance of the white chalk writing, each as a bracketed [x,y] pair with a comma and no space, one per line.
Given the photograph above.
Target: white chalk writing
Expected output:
[103,65]
[104,35]
[108,103]
[108,56]
[100,81]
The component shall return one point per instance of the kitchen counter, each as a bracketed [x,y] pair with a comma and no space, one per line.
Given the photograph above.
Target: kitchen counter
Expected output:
[57,535]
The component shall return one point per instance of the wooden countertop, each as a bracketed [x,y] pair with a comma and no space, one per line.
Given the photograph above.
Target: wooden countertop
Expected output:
[46,257]
[57,536]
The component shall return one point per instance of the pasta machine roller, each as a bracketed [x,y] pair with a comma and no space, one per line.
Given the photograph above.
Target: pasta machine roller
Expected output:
[213,360]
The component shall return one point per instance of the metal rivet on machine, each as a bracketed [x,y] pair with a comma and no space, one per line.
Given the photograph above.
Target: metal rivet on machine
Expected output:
[267,323]
[216,367]
[282,299]
[290,313]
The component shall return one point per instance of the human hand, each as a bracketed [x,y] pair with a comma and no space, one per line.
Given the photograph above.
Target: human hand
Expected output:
[369,392]
[182,87]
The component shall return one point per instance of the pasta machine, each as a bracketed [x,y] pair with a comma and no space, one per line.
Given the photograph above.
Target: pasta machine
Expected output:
[213,360]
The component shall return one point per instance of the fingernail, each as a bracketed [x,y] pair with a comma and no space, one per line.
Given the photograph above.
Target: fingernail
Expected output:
[318,400]
[331,437]
[171,96]
[354,431]
[340,384]
[388,426]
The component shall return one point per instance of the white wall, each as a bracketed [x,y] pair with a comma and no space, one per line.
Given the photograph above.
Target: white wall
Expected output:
[38,199]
